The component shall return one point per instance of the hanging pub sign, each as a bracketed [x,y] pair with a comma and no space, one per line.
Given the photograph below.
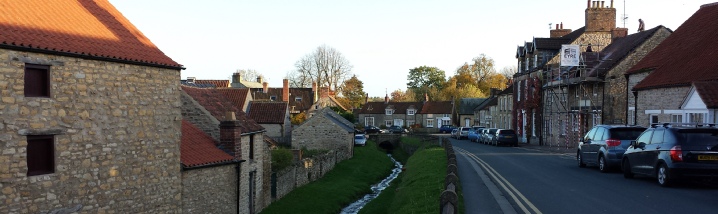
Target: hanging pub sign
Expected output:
[569,55]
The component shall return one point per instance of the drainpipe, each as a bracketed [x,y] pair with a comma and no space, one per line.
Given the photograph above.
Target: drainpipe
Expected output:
[635,107]
[627,90]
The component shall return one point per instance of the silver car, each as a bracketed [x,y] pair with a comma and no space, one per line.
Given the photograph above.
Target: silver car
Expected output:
[360,140]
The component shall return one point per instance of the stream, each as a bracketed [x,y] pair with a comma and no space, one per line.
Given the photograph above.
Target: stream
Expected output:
[376,189]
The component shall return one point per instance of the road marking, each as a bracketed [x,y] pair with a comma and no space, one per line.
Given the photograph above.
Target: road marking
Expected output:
[515,194]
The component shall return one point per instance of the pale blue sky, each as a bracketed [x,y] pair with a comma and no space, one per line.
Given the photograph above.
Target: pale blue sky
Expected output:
[381,39]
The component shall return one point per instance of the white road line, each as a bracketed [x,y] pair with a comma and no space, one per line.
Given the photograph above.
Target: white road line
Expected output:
[503,203]
[505,184]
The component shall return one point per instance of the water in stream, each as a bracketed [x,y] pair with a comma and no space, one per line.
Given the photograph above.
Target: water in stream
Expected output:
[376,189]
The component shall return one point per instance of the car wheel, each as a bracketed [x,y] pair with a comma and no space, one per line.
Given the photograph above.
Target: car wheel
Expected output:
[580,160]
[626,166]
[602,166]
[663,176]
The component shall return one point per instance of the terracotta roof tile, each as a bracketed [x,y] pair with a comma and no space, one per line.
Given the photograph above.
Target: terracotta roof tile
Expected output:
[708,91]
[687,55]
[399,107]
[199,149]
[238,96]
[267,112]
[437,107]
[77,27]
[216,83]
[217,105]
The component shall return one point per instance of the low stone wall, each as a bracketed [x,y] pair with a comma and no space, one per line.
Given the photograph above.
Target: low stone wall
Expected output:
[449,200]
[304,172]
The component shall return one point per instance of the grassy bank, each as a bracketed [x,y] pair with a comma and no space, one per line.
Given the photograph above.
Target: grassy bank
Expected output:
[419,186]
[347,182]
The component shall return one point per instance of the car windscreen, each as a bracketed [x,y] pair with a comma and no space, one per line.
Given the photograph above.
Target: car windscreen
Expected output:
[626,134]
[703,137]
[507,132]
[357,137]
[492,131]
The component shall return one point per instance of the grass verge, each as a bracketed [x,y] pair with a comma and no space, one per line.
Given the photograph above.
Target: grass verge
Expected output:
[347,182]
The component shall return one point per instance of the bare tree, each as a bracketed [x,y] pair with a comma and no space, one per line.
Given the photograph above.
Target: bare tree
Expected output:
[508,72]
[325,66]
[249,74]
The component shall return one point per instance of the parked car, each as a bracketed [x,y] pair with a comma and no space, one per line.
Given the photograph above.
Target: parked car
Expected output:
[489,135]
[673,152]
[397,130]
[474,134]
[446,128]
[359,140]
[463,133]
[372,129]
[506,137]
[479,133]
[604,145]
[454,133]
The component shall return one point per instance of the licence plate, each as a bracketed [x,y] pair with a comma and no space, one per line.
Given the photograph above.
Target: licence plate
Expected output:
[509,136]
[708,157]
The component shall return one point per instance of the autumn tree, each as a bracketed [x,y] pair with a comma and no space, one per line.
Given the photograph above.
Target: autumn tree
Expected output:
[425,81]
[326,66]
[400,96]
[353,91]
[508,72]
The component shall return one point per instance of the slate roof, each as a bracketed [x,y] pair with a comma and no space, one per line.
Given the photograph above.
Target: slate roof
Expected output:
[708,91]
[437,107]
[549,43]
[492,101]
[305,93]
[468,104]
[238,96]
[399,107]
[267,112]
[217,105]
[77,28]
[199,149]
[687,55]
[619,49]
[336,118]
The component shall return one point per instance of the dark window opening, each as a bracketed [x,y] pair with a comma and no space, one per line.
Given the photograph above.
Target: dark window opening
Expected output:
[37,80]
[40,155]
[273,98]
[251,146]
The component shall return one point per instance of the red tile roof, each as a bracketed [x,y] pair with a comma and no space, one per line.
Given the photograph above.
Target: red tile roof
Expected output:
[437,107]
[380,107]
[80,28]
[216,83]
[267,112]
[306,95]
[708,91]
[198,148]
[217,105]
[688,55]
[238,96]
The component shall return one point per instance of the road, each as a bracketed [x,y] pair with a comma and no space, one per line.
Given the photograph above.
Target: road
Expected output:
[524,180]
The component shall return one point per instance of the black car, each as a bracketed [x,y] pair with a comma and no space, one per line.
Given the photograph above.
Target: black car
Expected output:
[506,137]
[604,145]
[372,130]
[670,152]
[397,130]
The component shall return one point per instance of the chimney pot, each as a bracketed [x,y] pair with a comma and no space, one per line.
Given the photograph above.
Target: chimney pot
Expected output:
[561,25]
[602,2]
[230,116]
[557,27]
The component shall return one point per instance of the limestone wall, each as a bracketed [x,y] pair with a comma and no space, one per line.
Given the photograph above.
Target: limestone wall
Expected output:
[116,134]
[304,172]
[320,133]
[210,190]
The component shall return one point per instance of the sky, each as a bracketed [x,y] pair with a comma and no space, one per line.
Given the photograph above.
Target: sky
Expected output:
[381,39]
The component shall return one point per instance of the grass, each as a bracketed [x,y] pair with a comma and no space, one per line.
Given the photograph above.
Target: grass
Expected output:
[347,182]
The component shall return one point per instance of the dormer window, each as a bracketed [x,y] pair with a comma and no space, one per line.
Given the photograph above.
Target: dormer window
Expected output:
[411,111]
[389,111]
[273,98]
[298,99]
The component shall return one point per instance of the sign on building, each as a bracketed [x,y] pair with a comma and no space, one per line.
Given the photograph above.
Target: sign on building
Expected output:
[569,55]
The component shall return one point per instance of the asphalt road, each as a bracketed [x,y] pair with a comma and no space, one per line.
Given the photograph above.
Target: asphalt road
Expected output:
[525,180]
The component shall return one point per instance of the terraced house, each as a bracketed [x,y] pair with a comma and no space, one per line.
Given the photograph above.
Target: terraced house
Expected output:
[90,112]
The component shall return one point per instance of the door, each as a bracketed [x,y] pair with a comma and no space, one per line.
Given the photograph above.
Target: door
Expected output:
[650,155]
[467,122]
[636,154]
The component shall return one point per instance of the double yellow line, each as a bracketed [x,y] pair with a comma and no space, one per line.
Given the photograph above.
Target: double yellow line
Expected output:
[515,194]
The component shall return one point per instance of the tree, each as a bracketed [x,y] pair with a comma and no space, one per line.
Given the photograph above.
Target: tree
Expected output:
[398,96]
[425,81]
[326,66]
[248,74]
[353,91]
[508,72]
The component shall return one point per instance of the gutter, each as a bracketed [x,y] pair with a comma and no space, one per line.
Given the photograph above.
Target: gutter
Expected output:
[83,56]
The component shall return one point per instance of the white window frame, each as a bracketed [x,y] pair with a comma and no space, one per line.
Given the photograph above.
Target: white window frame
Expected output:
[388,123]
[694,117]
[399,122]
[388,111]
[411,112]
[367,123]
[429,123]
[676,118]
[650,118]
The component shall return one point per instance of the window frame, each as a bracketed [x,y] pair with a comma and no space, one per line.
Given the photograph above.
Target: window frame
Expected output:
[388,111]
[430,123]
[30,85]
[366,120]
[411,111]
[36,149]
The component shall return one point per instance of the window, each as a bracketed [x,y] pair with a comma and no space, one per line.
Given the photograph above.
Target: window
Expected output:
[446,122]
[657,136]
[388,123]
[368,121]
[631,117]
[298,99]
[251,146]
[446,115]
[429,123]
[411,111]
[388,111]
[37,80]
[410,122]
[695,117]
[653,118]
[645,137]
[273,98]
[518,90]
[40,154]
[600,134]
[676,118]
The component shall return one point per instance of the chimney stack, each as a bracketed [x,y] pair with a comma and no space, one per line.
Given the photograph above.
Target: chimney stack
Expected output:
[265,87]
[260,79]
[236,79]
[366,99]
[618,33]
[315,92]
[230,135]
[386,99]
[285,90]
[559,31]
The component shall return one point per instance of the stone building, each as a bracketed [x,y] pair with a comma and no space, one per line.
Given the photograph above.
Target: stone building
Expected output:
[274,117]
[673,82]
[90,118]
[466,111]
[390,113]
[237,135]
[326,130]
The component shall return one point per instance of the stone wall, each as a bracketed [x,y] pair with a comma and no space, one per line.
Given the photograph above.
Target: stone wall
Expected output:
[633,80]
[321,133]
[275,131]
[659,99]
[210,190]
[304,172]
[116,134]
[199,116]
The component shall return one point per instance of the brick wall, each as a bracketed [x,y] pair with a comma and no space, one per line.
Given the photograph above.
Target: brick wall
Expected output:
[116,136]
[210,190]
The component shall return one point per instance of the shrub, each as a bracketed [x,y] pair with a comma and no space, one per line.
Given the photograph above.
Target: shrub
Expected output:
[281,158]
